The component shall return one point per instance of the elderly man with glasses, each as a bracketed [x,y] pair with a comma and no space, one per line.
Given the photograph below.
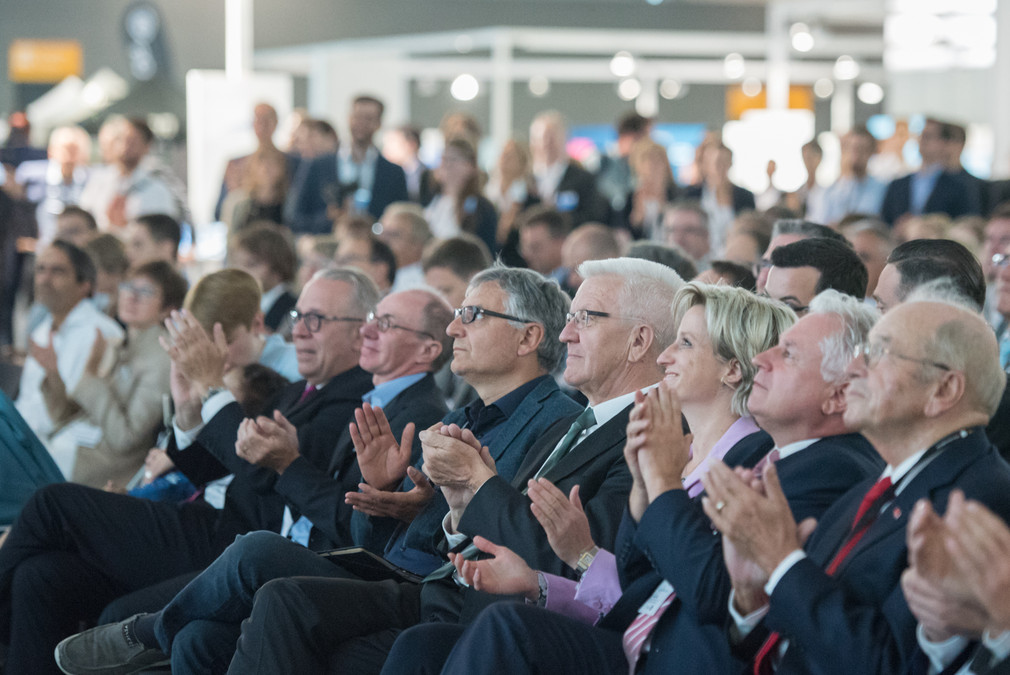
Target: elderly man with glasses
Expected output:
[921,391]
[502,346]
[74,549]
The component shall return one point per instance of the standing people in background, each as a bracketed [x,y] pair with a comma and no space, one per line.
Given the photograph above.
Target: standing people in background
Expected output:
[855,191]
[357,179]
[654,188]
[57,182]
[312,138]
[810,192]
[400,146]
[124,190]
[260,195]
[18,219]
[561,183]
[931,189]
[406,232]
[615,177]
[721,199]
[460,206]
[511,190]
[955,148]
[264,124]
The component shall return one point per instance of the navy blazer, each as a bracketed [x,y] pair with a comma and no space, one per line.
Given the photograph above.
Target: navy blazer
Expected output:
[578,197]
[316,185]
[251,502]
[743,199]
[858,621]
[951,195]
[675,541]
[537,412]
[318,494]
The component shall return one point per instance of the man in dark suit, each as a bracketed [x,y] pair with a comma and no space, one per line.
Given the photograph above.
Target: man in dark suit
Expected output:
[357,178]
[506,357]
[798,398]
[561,183]
[74,549]
[921,391]
[622,303]
[932,189]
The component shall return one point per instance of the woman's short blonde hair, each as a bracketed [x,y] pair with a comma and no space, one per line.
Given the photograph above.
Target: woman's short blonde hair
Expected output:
[740,325]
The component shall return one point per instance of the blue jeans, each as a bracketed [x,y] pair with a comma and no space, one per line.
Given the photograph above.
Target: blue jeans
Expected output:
[200,626]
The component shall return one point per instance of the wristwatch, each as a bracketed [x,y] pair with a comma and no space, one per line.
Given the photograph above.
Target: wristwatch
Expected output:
[210,392]
[585,560]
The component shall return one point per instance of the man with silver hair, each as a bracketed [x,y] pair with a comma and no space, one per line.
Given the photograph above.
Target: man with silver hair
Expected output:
[619,322]
[920,389]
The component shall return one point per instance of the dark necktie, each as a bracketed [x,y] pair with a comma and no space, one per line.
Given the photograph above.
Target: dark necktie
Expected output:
[881,493]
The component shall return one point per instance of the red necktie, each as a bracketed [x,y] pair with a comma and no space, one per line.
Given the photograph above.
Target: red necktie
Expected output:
[881,493]
[309,391]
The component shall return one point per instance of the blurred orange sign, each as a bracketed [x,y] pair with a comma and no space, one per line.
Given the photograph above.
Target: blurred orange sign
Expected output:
[43,61]
[800,98]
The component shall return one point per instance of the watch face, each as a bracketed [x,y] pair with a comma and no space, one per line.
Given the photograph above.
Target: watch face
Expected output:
[142,23]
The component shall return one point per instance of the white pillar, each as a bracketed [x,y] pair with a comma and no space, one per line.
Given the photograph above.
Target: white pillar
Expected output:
[647,104]
[238,37]
[501,90]
[842,107]
[777,30]
[1001,94]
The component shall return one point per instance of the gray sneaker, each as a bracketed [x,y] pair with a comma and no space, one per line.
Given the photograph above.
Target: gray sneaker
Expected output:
[111,649]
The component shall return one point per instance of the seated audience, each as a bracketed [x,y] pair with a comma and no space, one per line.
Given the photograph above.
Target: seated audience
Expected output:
[721,199]
[111,263]
[729,274]
[592,241]
[266,253]
[804,268]
[106,423]
[673,257]
[64,281]
[76,225]
[872,242]
[685,224]
[152,237]
[369,254]
[406,232]
[644,206]
[459,205]
[787,231]
[542,233]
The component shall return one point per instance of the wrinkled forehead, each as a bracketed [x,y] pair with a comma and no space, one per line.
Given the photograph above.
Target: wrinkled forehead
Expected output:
[599,293]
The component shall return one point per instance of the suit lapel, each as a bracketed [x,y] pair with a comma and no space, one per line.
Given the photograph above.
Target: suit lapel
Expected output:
[596,444]
[522,416]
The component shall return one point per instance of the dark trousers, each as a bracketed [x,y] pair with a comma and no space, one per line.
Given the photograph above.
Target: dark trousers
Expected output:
[74,549]
[517,638]
[310,625]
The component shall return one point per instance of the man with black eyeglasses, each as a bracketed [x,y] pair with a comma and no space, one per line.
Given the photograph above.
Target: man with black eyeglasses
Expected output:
[502,346]
[86,547]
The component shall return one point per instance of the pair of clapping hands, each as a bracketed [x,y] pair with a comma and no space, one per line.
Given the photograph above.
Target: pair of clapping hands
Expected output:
[958,580]
[568,534]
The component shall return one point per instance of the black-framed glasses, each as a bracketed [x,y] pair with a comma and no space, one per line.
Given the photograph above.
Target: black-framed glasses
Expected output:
[314,320]
[872,354]
[584,317]
[471,313]
[385,322]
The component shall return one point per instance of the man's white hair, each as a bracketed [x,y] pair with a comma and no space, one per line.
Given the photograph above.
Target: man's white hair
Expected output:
[857,319]
[646,294]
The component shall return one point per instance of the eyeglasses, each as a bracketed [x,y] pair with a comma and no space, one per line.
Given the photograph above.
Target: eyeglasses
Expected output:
[1000,260]
[314,320]
[137,290]
[385,322]
[585,317]
[872,353]
[471,313]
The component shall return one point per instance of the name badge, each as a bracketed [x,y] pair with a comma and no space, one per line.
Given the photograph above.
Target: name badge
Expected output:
[655,601]
[567,201]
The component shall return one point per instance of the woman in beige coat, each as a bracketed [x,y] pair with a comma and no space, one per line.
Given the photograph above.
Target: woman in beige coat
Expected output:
[111,417]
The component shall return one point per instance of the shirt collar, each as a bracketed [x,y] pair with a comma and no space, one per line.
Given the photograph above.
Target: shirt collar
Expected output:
[387,391]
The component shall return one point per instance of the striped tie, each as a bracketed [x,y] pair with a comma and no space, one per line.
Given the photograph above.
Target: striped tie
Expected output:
[641,628]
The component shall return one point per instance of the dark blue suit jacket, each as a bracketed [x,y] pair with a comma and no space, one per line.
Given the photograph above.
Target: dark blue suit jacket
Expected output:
[318,493]
[951,195]
[857,621]
[316,185]
[675,541]
[539,410]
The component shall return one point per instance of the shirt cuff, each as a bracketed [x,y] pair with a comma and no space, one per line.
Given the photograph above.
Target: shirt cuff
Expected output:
[998,644]
[783,567]
[940,654]
[184,439]
[213,405]
[454,539]
[743,625]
